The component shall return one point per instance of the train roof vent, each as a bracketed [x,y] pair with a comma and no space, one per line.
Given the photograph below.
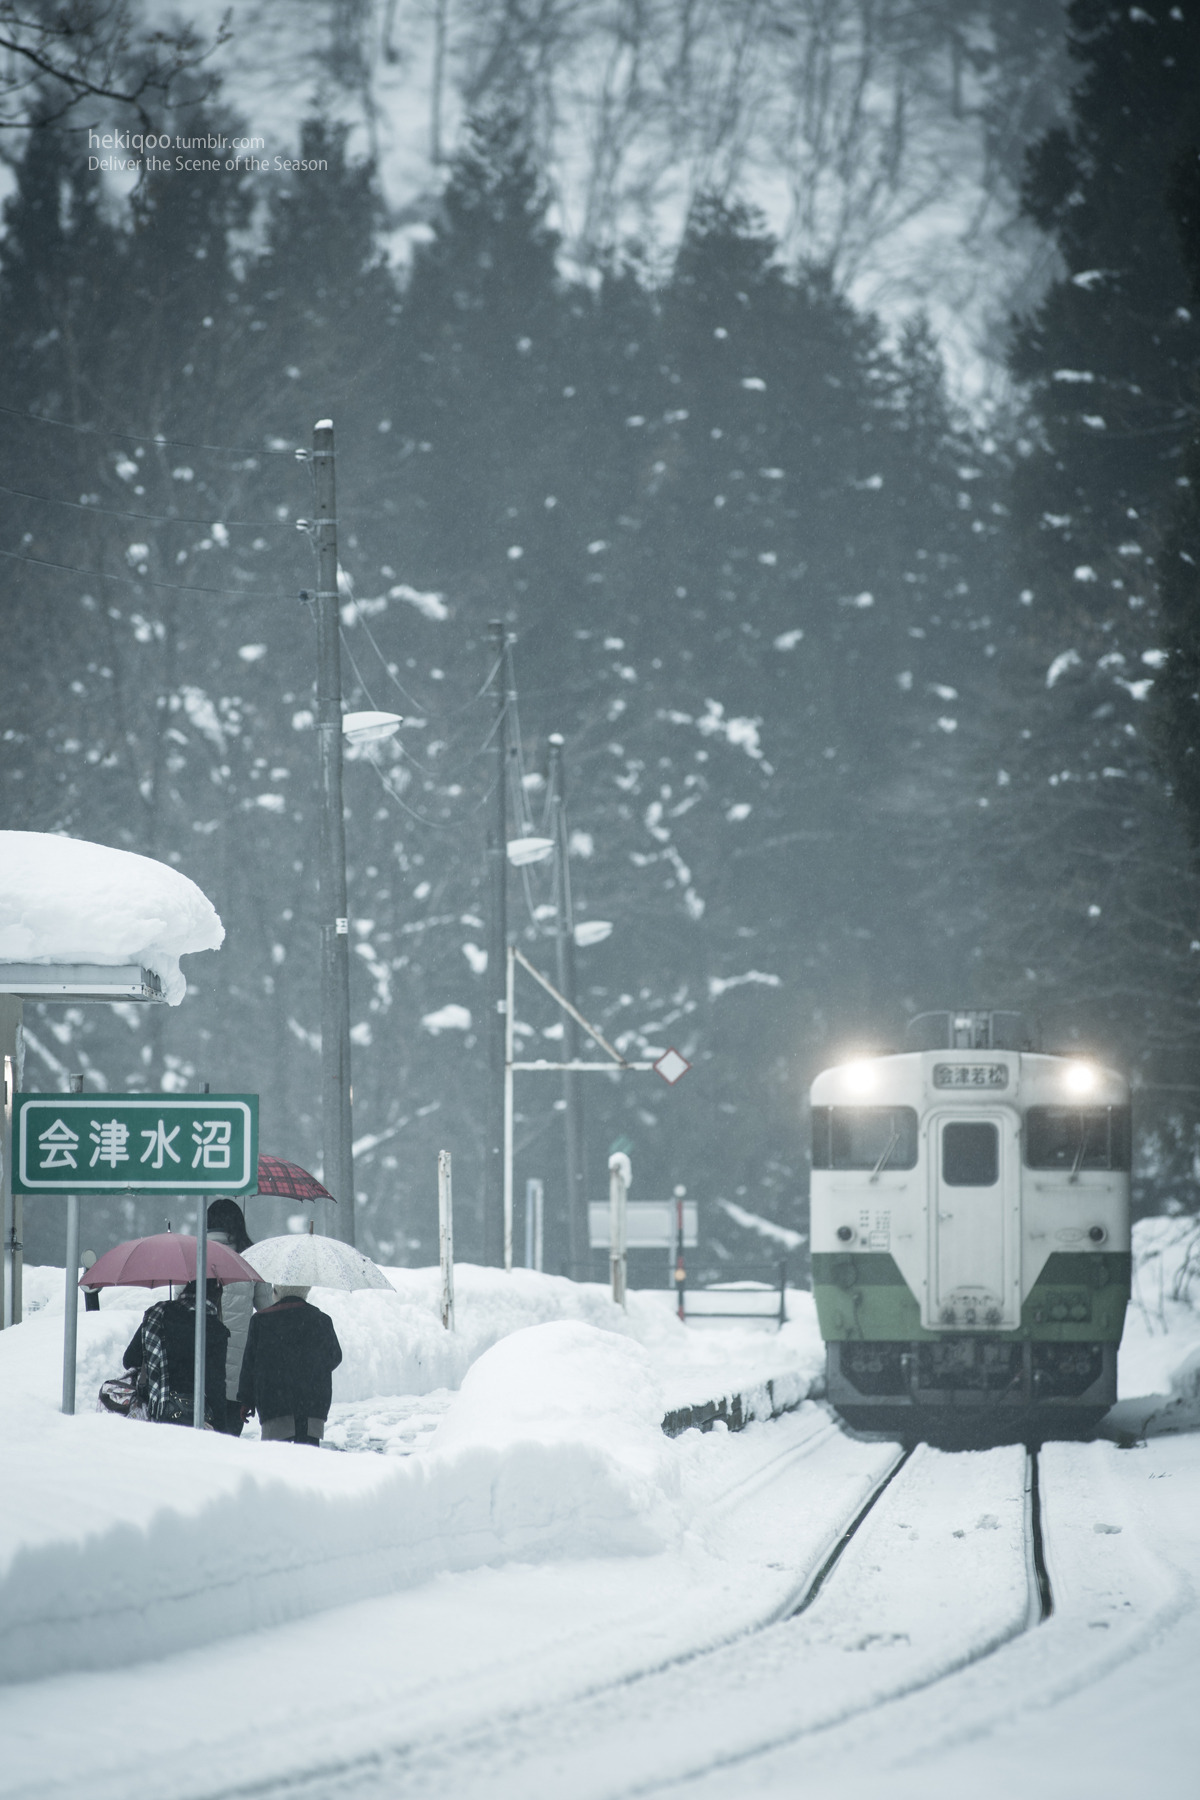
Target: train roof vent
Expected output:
[970,1030]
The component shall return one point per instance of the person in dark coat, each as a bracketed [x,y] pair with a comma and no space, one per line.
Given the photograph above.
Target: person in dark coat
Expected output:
[163,1351]
[239,1299]
[291,1353]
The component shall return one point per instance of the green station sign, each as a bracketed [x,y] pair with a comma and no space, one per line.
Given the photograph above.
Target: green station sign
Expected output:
[135,1143]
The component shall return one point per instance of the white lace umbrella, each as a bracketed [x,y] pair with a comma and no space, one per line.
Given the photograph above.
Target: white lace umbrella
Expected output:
[306,1261]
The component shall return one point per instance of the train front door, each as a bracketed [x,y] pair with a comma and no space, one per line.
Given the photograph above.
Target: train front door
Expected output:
[974,1237]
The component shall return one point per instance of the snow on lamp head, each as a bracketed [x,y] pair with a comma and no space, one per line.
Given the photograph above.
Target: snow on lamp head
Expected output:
[369,727]
[524,850]
[592,931]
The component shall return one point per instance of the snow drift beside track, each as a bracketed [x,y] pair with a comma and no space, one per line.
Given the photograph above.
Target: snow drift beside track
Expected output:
[396,1343]
[553,1449]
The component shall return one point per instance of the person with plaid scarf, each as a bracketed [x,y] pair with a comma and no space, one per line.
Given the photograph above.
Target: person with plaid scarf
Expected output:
[163,1351]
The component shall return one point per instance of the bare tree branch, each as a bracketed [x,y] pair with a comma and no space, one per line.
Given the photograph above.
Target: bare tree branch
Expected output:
[52,58]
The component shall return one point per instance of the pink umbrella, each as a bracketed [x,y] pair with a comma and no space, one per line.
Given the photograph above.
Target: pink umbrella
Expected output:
[169,1259]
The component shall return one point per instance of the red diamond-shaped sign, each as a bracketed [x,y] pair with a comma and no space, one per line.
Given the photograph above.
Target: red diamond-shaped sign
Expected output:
[671,1066]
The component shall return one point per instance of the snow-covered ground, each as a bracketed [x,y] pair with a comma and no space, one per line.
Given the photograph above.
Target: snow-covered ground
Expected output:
[394,1343]
[535,1592]
[122,1540]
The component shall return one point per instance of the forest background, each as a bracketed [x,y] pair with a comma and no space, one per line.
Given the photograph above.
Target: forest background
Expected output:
[811,388]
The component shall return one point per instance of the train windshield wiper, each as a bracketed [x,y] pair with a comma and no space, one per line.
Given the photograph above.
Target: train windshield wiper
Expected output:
[1078,1163]
[887,1151]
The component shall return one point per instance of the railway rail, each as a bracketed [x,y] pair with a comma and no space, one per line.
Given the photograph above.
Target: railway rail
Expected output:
[772,1686]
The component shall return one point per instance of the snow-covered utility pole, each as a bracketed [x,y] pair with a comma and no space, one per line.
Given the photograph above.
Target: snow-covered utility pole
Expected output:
[336,1125]
[71,1287]
[497,855]
[446,1238]
[564,928]
[620,1174]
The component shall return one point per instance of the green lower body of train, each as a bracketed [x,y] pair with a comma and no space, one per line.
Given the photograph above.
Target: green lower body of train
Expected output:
[1055,1375]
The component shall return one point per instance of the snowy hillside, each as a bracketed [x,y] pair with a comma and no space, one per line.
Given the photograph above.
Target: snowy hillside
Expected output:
[882,143]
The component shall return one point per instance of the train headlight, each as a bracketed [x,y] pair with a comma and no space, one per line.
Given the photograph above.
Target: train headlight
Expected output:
[1080,1077]
[860,1077]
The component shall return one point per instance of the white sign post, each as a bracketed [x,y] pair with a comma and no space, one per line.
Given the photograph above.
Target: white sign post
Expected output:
[71,1291]
[71,1305]
[534,1220]
[446,1238]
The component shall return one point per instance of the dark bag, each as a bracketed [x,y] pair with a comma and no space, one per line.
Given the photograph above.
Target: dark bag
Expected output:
[118,1394]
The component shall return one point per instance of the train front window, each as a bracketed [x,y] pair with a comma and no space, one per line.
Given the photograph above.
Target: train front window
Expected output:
[872,1138]
[970,1154]
[1072,1138]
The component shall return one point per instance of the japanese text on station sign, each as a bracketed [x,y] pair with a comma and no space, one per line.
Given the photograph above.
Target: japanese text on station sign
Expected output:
[98,1143]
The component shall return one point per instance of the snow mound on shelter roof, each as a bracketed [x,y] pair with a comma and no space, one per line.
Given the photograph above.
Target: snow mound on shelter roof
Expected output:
[64,900]
[123,1540]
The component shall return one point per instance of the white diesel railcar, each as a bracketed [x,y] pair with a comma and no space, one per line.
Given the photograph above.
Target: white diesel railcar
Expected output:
[970,1232]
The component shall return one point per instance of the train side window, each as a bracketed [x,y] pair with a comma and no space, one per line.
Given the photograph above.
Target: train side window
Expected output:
[820,1137]
[970,1154]
[1077,1137]
[864,1137]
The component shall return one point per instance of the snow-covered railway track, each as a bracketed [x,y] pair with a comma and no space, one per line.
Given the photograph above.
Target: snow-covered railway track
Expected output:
[903,1570]
[575,1678]
[932,1572]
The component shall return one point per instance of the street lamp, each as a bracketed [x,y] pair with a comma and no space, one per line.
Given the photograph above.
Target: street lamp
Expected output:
[369,727]
[523,850]
[592,931]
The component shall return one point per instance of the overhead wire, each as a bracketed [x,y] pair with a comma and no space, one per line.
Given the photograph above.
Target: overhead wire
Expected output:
[175,587]
[438,824]
[116,512]
[358,675]
[360,619]
[518,788]
[457,769]
[144,437]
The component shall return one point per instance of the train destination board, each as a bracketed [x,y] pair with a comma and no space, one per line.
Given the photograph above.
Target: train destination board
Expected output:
[135,1143]
[970,1075]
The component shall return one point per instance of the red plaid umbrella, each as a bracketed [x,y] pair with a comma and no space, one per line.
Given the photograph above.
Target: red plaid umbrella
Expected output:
[289,1180]
[169,1259]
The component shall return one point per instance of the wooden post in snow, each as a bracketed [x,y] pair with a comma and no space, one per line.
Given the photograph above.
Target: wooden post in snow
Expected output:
[446,1238]
[619,1176]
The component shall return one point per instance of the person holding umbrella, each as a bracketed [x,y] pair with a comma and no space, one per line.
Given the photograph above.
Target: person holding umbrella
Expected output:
[239,1300]
[291,1353]
[163,1351]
